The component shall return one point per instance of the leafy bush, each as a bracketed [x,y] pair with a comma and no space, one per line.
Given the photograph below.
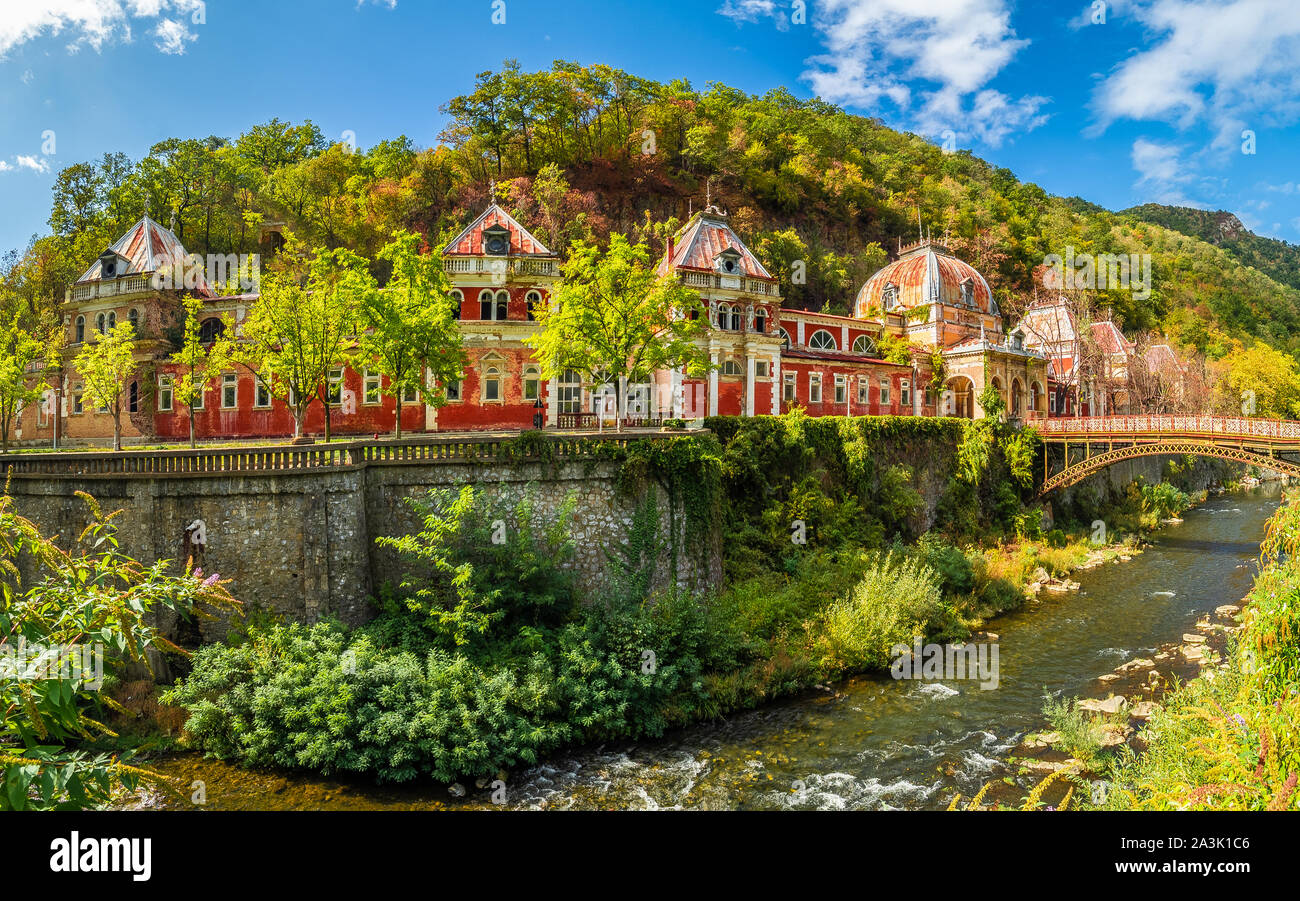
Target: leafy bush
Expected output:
[93,596]
[898,599]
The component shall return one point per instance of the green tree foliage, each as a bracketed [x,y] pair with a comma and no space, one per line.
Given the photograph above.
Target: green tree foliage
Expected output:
[410,328]
[613,320]
[104,365]
[302,325]
[20,352]
[201,362]
[92,598]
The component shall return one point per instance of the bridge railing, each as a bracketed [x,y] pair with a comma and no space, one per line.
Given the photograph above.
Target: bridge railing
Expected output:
[1170,425]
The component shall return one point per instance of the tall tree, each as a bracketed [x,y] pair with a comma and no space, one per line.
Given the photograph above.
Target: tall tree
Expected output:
[612,319]
[410,326]
[19,386]
[300,327]
[202,361]
[104,365]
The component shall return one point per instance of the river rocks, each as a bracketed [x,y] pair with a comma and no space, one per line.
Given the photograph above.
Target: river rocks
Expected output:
[1139,663]
[1142,710]
[1193,638]
[1113,704]
[1114,734]
[1227,610]
[456,790]
[1193,652]
[1107,678]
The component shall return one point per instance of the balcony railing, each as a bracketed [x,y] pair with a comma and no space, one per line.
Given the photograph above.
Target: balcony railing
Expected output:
[709,280]
[115,287]
[500,266]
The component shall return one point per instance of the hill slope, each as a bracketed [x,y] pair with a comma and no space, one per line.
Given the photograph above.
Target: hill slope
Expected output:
[1279,260]
[583,150]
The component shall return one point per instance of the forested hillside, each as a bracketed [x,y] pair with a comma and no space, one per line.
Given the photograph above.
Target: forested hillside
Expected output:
[1279,260]
[585,150]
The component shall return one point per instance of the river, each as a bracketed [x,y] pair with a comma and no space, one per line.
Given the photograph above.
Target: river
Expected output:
[869,743]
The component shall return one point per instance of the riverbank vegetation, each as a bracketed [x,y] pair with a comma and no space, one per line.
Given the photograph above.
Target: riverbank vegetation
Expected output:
[484,657]
[72,628]
[1230,740]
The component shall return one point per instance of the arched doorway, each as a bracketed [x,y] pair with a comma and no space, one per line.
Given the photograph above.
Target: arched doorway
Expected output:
[1017,404]
[959,397]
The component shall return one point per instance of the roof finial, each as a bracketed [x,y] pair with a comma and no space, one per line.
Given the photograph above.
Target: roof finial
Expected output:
[708,192]
[172,227]
[492,191]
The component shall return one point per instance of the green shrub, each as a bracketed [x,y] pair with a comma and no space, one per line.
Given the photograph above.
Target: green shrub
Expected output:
[898,599]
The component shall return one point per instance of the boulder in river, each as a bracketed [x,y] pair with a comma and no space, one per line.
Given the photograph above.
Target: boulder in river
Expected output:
[1142,710]
[1193,638]
[1113,704]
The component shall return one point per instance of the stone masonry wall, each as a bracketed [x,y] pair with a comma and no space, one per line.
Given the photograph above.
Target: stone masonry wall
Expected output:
[302,544]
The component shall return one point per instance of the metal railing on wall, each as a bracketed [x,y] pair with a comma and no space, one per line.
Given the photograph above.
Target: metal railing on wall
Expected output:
[307,458]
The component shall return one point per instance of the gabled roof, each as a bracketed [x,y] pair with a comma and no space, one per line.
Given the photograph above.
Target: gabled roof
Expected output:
[147,247]
[1110,339]
[699,243]
[470,241]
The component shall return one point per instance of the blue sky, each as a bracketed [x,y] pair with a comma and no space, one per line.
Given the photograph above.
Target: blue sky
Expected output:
[1148,105]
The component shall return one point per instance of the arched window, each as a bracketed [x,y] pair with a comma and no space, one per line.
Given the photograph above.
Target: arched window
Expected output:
[485,305]
[785,338]
[731,367]
[532,383]
[210,330]
[534,300]
[99,323]
[133,397]
[112,321]
[134,317]
[890,296]
[724,316]
[503,299]
[492,384]
[459,300]
[760,321]
[1034,392]
[822,340]
[864,345]
[81,329]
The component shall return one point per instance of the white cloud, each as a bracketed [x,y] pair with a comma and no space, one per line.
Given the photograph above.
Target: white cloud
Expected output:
[172,36]
[4,167]
[742,11]
[1101,12]
[1162,173]
[93,23]
[1224,64]
[33,163]
[946,52]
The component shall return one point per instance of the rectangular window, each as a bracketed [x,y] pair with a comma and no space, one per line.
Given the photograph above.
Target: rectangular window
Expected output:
[532,385]
[814,389]
[1051,402]
[791,380]
[76,399]
[841,389]
[229,391]
[453,391]
[884,392]
[262,396]
[864,390]
[200,400]
[929,397]
[164,395]
[761,369]
[905,393]
[335,390]
[492,384]
[410,395]
[370,387]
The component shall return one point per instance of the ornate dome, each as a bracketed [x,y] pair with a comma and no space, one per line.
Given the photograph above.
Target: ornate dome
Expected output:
[924,273]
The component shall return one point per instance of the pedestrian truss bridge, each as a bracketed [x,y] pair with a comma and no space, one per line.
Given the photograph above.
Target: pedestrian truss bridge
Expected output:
[1093,443]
